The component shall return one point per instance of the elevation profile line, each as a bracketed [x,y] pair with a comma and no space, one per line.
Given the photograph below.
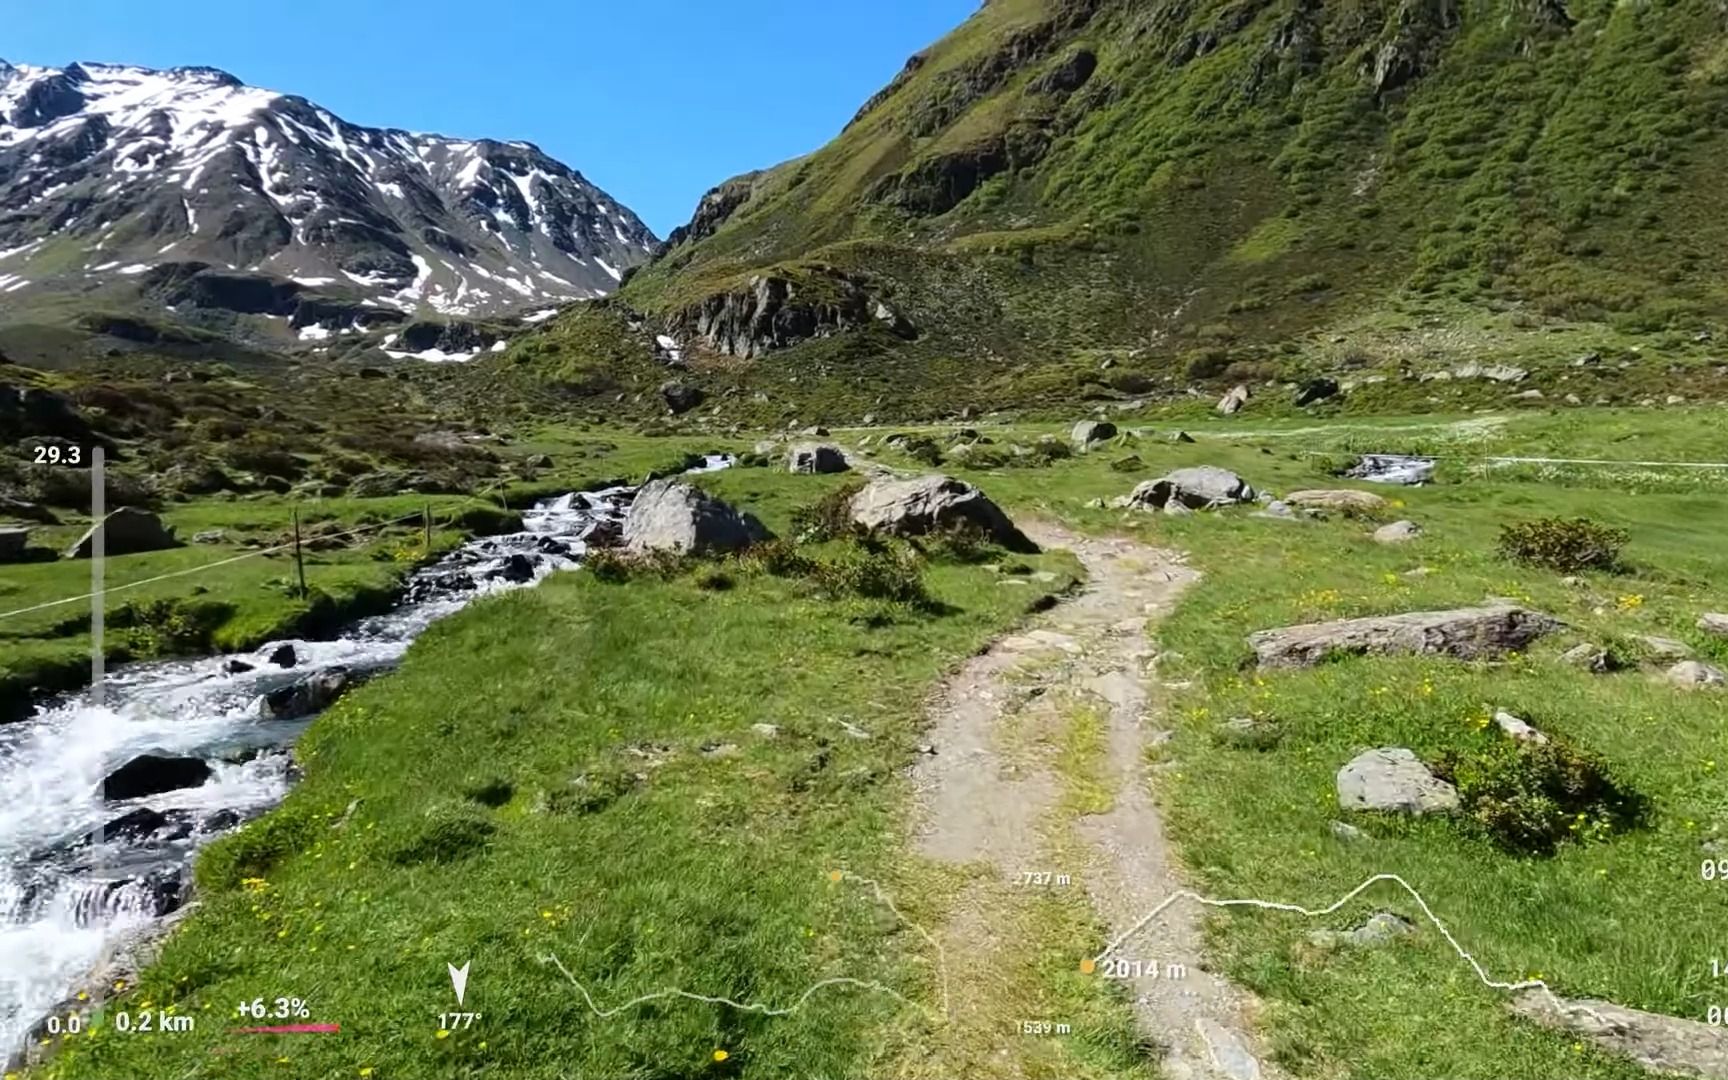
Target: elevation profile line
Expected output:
[1296,909]
[763,1009]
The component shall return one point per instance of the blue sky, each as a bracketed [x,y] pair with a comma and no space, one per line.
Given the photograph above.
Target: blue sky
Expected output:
[654,100]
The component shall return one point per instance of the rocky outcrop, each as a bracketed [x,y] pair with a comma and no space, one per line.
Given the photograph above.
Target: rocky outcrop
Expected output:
[1662,1044]
[1414,37]
[1714,623]
[775,311]
[1087,432]
[1392,779]
[1203,487]
[14,539]
[1398,532]
[681,397]
[1315,391]
[670,515]
[127,531]
[1465,634]
[1341,500]
[811,458]
[932,504]
[715,208]
[1231,404]
[1694,675]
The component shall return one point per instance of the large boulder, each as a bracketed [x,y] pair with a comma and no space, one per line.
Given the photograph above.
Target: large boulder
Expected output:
[1393,779]
[1315,391]
[1087,432]
[934,503]
[1464,633]
[816,458]
[1342,500]
[13,540]
[1399,532]
[127,531]
[1661,1044]
[1693,675]
[1202,487]
[153,774]
[670,515]
[1231,404]
[681,397]
[309,696]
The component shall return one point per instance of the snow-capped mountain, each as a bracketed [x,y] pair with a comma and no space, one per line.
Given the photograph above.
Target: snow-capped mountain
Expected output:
[112,173]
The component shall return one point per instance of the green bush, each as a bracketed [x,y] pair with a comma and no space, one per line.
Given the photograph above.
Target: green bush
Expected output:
[1531,797]
[875,572]
[1566,545]
[779,557]
[828,518]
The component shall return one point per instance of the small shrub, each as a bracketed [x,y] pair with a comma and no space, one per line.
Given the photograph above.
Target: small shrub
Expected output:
[779,557]
[828,518]
[715,580]
[1531,797]
[875,572]
[1565,545]
[962,542]
[609,565]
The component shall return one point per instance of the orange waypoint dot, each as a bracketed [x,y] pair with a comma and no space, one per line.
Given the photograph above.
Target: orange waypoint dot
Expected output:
[1088,966]
[835,876]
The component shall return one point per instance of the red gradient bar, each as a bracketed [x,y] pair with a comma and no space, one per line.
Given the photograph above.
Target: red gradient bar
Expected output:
[290,1029]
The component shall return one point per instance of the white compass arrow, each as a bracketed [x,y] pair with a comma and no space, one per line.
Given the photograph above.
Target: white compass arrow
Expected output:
[459,979]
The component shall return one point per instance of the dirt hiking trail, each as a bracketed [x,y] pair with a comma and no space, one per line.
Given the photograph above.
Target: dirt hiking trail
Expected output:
[987,798]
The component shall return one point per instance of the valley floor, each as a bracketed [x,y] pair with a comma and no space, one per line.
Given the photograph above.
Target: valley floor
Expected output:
[623,800]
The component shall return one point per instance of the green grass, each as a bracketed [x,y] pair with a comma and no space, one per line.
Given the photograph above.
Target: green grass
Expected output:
[506,796]
[1581,919]
[522,795]
[256,599]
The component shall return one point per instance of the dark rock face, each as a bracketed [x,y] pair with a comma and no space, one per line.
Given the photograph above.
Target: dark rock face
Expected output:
[717,206]
[153,774]
[1068,76]
[283,656]
[1316,390]
[775,312]
[812,458]
[681,397]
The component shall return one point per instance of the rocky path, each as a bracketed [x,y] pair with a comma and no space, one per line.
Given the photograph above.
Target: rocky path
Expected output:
[995,796]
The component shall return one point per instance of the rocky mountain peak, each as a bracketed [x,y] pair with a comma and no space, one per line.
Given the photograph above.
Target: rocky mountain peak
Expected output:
[108,171]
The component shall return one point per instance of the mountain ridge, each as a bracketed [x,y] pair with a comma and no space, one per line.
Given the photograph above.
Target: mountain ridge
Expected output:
[1182,192]
[191,165]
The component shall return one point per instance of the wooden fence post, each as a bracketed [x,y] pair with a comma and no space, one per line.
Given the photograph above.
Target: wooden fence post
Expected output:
[299,558]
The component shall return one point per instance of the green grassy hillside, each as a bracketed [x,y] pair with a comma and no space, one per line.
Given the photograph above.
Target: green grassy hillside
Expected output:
[1178,188]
